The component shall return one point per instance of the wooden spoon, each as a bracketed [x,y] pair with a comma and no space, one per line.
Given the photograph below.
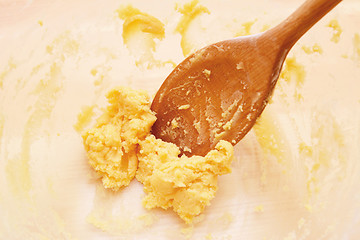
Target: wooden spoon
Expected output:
[219,91]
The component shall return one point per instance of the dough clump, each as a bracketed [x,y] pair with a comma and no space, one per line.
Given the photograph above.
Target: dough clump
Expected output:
[111,145]
[121,146]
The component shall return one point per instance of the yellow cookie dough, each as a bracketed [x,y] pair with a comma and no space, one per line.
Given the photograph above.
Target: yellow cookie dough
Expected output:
[111,144]
[185,184]
[121,144]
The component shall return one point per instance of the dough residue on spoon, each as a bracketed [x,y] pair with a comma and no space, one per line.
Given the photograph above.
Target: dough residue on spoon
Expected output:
[120,146]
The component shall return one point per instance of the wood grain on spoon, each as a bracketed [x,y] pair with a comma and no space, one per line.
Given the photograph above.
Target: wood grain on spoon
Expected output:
[219,91]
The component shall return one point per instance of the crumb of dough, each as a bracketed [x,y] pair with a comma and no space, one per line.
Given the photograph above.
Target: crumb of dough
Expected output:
[174,124]
[240,66]
[121,145]
[186,106]
[187,149]
[94,71]
[316,48]
[337,30]
[245,28]
[207,73]
[259,209]
[219,135]
[227,126]
[197,126]
[111,144]
[293,71]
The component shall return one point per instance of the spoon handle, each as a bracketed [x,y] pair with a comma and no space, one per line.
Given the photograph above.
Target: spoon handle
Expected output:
[288,32]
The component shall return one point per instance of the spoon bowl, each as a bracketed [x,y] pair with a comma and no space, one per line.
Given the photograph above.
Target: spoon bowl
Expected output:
[218,92]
